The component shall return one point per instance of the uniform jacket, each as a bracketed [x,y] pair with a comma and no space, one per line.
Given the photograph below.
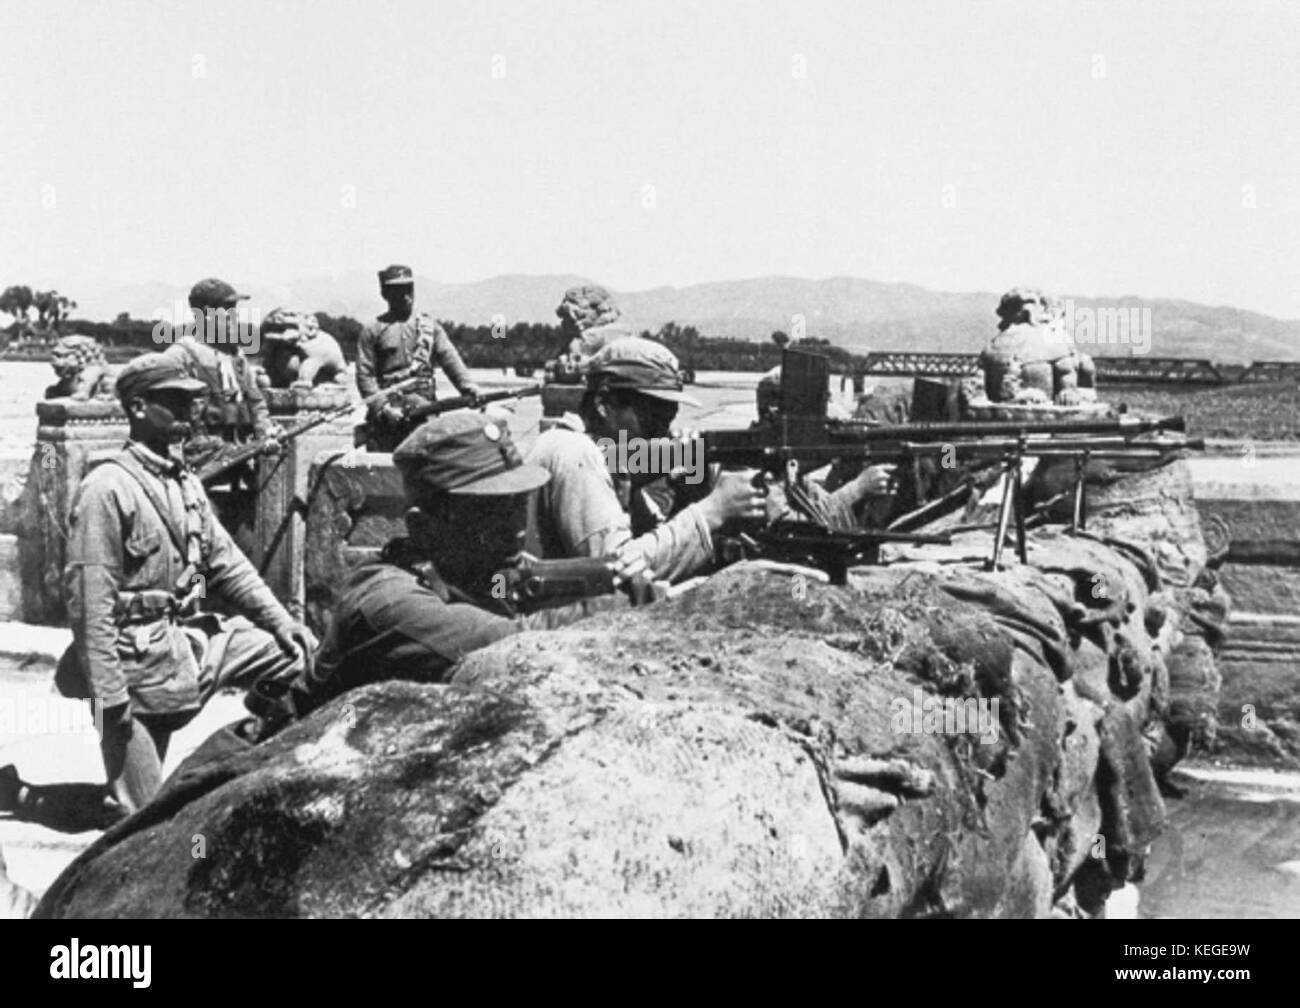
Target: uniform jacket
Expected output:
[126,645]
[389,351]
[393,621]
[234,398]
[579,514]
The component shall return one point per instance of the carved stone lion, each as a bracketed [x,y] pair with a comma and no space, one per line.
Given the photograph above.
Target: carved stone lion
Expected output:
[1033,359]
[298,352]
[82,370]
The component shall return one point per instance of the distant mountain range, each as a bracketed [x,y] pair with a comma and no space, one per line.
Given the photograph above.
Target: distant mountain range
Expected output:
[858,314]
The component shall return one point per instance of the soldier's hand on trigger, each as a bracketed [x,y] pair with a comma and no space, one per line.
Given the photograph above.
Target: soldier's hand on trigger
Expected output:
[736,495]
[472,392]
[392,414]
[877,480]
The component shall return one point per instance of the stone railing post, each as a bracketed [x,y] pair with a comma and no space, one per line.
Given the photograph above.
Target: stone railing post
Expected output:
[280,529]
[71,436]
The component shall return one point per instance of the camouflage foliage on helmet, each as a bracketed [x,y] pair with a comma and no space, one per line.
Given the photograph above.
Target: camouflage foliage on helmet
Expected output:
[587,306]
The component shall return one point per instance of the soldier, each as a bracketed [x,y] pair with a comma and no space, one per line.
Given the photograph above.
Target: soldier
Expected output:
[589,319]
[143,550]
[397,346]
[400,617]
[837,509]
[634,388]
[234,411]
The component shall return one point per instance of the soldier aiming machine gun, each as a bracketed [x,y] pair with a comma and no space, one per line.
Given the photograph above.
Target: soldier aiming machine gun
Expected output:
[801,435]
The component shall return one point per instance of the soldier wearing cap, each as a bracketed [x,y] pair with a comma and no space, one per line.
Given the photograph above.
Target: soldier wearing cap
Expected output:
[634,388]
[144,550]
[402,617]
[233,411]
[399,345]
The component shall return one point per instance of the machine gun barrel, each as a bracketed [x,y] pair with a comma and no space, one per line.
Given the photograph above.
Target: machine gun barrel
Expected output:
[1123,425]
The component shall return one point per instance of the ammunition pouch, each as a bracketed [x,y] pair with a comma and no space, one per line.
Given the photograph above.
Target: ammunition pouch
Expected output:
[145,607]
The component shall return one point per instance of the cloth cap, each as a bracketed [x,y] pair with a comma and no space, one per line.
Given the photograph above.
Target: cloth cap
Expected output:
[463,452]
[641,365]
[214,293]
[396,275]
[154,371]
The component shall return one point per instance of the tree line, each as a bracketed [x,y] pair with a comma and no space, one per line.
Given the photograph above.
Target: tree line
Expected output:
[523,345]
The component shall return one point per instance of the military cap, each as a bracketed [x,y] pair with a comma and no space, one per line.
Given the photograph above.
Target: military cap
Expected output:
[214,293]
[463,452]
[390,275]
[641,365]
[153,372]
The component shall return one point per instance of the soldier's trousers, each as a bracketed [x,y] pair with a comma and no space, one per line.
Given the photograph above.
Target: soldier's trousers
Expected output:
[236,655]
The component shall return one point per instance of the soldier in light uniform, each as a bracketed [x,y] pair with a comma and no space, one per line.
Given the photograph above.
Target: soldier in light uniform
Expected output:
[144,549]
[399,345]
[634,388]
[233,411]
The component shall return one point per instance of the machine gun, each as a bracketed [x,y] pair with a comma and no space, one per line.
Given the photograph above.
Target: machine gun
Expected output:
[531,584]
[229,460]
[801,435]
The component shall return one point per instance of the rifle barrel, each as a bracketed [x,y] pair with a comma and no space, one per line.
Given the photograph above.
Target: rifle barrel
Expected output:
[225,462]
[463,402]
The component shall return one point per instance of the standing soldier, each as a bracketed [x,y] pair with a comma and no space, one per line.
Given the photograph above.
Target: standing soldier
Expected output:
[143,550]
[234,411]
[397,346]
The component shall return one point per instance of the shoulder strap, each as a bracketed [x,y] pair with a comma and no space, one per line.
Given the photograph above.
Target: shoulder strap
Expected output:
[205,374]
[136,472]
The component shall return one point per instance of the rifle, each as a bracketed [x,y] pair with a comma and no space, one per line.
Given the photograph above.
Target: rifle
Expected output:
[800,434]
[532,584]
[228,460]
[464,402]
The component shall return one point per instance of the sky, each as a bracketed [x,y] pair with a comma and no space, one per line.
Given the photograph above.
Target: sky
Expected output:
[1087,147]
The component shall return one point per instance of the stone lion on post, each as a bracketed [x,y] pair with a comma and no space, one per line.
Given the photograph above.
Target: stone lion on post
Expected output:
[82,370]
[1032,359]
[297,352]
